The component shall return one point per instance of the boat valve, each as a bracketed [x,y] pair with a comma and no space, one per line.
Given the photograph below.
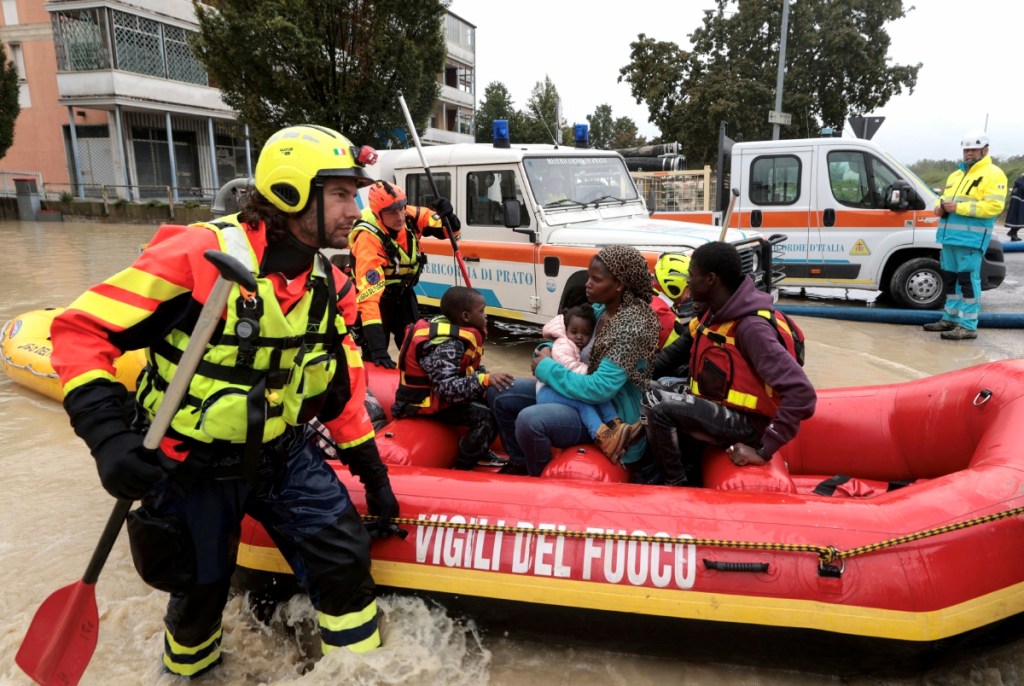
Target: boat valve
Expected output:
[982,397]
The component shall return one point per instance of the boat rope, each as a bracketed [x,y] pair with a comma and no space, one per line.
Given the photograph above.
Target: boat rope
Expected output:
[28,368]
[827,555]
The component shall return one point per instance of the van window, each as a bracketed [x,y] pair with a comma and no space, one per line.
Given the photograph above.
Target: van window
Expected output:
[858,179]
[775,180]
[485,193]
[417,187]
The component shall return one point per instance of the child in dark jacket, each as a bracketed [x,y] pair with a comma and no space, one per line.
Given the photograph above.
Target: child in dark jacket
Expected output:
[442,376]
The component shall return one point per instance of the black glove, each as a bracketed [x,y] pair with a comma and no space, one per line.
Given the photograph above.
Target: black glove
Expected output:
[127,470]
[100,414]
[443,208]
[383,503]
[364,461]
[377,346]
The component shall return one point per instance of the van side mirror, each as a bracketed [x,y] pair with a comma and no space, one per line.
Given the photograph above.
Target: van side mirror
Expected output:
[512,217]
[901,197]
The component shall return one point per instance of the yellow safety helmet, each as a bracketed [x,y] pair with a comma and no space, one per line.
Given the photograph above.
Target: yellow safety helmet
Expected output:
[671,271]
[294,156]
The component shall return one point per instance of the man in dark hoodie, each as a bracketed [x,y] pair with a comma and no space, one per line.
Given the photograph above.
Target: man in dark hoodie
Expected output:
[747,391]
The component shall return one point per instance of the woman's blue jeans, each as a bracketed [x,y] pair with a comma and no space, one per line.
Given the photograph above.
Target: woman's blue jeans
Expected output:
[528,431]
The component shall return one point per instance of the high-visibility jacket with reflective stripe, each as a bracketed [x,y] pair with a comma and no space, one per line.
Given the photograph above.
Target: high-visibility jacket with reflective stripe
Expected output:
[980,195]
[294,356]
[722,374]
[415,388]
[383,261]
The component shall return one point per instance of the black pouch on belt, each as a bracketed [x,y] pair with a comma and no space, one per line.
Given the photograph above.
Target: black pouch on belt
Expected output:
[162,551]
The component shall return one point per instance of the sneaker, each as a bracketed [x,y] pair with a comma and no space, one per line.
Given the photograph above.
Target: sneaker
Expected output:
[941,325]
[959,334]
[492,459]
[514,469]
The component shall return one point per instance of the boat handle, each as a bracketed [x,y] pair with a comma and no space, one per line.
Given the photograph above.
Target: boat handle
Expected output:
[982,397]
[737,566]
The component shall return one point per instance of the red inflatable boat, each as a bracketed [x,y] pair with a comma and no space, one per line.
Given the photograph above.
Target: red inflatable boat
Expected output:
[895,514]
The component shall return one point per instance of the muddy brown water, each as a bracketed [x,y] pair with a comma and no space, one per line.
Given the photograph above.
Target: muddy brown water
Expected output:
[52,509]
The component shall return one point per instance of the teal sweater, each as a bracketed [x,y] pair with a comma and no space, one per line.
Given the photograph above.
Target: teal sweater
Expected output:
[607,382]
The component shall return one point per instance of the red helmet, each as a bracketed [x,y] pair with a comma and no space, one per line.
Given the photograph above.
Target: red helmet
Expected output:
[385,196]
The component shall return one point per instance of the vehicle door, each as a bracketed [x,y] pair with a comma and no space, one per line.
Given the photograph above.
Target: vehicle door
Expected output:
[856,230]
[777,199]
[501,261]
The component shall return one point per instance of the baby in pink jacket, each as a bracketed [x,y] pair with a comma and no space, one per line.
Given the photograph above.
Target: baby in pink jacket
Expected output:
[570,333]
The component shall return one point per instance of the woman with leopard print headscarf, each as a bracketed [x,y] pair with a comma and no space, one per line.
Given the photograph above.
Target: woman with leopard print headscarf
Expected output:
[621,355]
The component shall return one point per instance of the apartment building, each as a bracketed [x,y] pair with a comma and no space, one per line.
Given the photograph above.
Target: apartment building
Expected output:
[113,101]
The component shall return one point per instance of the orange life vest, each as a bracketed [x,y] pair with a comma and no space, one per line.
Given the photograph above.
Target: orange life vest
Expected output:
[721,373]
[415,388]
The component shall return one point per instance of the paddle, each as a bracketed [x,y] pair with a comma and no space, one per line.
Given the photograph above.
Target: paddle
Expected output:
[433,187]
[62,637]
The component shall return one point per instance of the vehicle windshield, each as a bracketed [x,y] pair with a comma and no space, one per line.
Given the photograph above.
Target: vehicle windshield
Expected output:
[579,181]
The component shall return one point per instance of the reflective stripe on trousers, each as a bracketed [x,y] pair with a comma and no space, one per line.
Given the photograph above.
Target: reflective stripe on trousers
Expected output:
[961,274]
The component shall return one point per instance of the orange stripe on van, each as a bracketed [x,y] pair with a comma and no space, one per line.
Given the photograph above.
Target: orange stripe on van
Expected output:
[483,250]
[523,254]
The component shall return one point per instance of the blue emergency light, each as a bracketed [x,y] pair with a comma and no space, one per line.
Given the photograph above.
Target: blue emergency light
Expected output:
[500,129]
[582,134]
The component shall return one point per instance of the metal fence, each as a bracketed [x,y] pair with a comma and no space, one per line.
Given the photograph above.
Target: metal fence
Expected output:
[677,191]
[137,193]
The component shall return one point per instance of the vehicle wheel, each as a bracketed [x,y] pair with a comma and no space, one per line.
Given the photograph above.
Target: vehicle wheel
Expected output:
[917,284]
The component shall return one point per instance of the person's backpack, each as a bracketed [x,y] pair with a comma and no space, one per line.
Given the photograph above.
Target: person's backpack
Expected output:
[784,323]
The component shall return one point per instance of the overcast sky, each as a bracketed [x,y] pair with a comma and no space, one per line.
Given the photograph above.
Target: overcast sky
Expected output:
[581,47]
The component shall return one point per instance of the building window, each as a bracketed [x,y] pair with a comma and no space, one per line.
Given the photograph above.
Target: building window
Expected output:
[137,44]
[78,39]
[229,147]
[10,8]
[181,63]
[140,45]
[459,77]
[459,32]
[18,57]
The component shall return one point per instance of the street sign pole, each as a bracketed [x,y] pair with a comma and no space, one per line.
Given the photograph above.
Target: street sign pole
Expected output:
[780,77]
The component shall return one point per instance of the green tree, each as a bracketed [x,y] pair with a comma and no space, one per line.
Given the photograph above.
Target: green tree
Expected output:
[496,104]
[339,63]
[836,66]
[625,134]
[610,133]
[541,120]
[9,107]
[601,127]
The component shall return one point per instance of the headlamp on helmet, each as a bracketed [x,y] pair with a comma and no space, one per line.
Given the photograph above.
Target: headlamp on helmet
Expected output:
[295,156]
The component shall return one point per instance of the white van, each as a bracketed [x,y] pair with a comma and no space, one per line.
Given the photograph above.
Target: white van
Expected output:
[832,198]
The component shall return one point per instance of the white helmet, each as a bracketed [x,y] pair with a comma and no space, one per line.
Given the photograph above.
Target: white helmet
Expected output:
[974,139]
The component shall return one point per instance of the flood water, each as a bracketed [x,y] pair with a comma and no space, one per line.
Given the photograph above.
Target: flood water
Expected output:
[52,509]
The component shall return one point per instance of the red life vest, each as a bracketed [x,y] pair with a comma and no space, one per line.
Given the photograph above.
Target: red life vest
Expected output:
[415,388]
[721,373]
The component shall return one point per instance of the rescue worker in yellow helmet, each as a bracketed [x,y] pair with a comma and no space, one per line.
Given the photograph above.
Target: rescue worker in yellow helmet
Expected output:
[388,261]
[240,443]
[671,300]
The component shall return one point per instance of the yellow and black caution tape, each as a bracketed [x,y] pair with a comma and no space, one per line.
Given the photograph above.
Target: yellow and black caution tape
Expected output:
[827,555]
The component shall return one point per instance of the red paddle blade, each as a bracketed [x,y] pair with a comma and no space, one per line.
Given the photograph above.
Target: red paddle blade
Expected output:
[62,637]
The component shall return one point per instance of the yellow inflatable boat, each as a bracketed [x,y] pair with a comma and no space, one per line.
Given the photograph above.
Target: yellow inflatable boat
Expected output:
[25,354]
